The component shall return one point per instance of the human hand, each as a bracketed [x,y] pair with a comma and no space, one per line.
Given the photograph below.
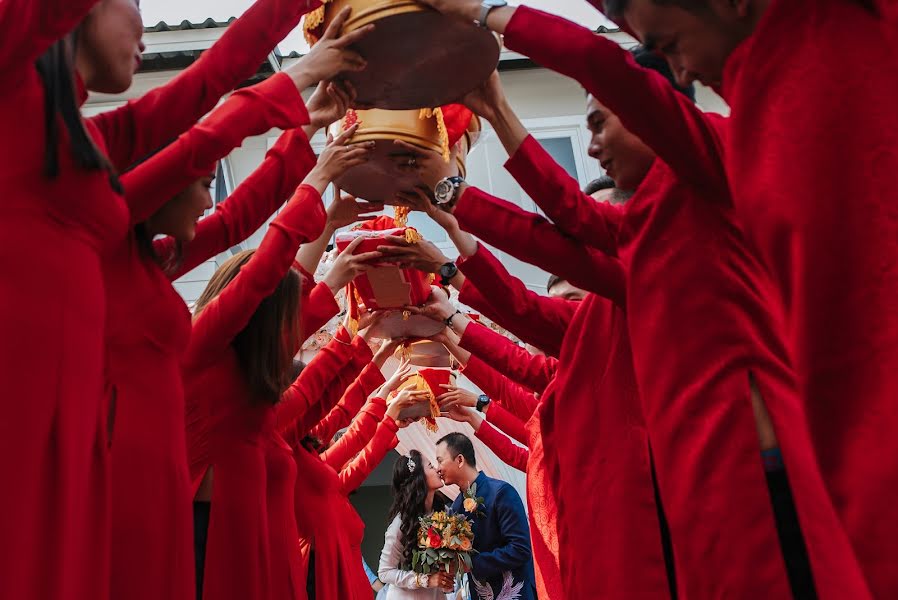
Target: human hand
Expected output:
[386,350]
[348,266]
[403,371]
[437,307]
[440,579]
[329,102]
[456,396]
[405,399]
[331,55]
[420,199]
[429,165]
[338,157]
[422,255]
[346,210]
[488,99]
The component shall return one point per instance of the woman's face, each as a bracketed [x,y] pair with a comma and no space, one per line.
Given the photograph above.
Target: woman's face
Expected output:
[178,217]
[432,477]
[110,46]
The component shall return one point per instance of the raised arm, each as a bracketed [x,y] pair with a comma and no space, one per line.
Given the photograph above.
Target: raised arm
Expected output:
[362,465]
[507,451]
[645,102]
[534,239]
[251,111]
[357,436]
[225,316]
[249,206]
[146,124]
[29,27]
[350,404]
[309,387]
[530,370]
[513,524]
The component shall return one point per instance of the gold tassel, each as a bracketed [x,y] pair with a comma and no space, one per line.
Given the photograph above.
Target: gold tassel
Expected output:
[400,216]
[412,236]
[311,22]
[437,113]
[405,315]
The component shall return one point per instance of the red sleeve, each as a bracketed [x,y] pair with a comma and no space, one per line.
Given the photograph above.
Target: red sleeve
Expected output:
[29,27]
[362,465]
[361,356]
[319,306]
[491,289]
[310,386]
[251,204]
[251,111]
[596,224]
[350,404]
[509,359]
[535,240]
[645,101]
[357,436]
[496,386]
[224,317]
[146,124]
[507,451]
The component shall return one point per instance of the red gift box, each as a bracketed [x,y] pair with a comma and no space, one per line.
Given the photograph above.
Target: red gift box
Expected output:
[386,286]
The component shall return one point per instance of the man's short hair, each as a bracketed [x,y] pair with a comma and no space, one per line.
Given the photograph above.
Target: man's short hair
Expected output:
[459,443]
[614,9]
[597,185]
[553,281]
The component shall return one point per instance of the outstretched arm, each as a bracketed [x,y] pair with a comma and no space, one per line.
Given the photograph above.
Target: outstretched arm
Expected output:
[146,124]
[357,436]
[362,465]
[507,451]
[29,27]
[225,316]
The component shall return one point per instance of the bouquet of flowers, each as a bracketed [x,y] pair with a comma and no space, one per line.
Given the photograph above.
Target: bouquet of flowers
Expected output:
[446,539]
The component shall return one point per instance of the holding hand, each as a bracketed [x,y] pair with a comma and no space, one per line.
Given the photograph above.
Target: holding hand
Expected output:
[346,210]
[463,414]
[338,157]
[403,372]
[331,55]
[329,102]
[405,399]
[427,164]
[488,99]
[386,350]
[437,307]
[348,266]
[422,255]
[456,396]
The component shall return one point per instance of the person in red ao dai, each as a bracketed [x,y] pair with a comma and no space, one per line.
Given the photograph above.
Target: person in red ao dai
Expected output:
[237,365]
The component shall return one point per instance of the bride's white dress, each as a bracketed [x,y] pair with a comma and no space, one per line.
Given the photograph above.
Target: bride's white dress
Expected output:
[402,583]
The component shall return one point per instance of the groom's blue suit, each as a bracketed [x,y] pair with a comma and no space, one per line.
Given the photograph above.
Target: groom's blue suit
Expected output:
[503,567]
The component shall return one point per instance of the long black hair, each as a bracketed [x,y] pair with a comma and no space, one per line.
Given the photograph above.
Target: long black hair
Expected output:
[409,494]
[56,68]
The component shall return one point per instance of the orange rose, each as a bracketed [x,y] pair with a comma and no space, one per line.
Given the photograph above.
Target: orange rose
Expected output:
[466,545]
[470,504]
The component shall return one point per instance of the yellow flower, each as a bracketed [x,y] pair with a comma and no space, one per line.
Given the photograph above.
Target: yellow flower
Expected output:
[470,504]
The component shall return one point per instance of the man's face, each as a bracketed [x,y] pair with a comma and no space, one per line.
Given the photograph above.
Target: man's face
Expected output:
[565,290]
[697,42]
[447,466]
[624,157]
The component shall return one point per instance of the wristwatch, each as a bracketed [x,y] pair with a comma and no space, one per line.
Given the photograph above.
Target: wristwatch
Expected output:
[446,191]
[487,7]
[482,402]
[447,272]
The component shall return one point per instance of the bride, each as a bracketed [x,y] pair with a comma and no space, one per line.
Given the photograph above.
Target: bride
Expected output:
[415,493]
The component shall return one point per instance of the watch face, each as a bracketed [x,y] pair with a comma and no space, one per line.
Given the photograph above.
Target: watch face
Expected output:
[443,192]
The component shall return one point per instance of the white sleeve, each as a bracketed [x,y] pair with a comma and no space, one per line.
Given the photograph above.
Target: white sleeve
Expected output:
[390,558]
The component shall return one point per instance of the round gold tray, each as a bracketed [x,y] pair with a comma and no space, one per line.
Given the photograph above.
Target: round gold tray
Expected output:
[416,56]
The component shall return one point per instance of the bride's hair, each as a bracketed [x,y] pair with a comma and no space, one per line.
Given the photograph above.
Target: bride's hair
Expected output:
[409,494]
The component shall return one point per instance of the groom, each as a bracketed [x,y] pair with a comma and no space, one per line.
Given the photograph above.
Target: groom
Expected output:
[503,566]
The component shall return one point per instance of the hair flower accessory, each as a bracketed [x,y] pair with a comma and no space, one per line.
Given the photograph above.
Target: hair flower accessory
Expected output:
[411,465]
